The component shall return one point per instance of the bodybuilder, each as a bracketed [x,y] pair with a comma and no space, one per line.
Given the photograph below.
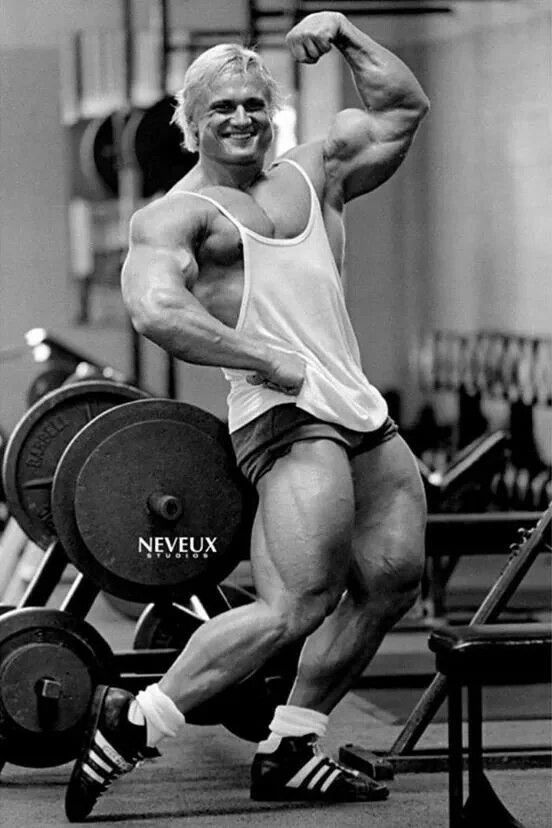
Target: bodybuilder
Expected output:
[238,266]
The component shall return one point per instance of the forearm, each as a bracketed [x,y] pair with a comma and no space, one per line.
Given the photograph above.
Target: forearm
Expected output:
[190,333]
[383,81]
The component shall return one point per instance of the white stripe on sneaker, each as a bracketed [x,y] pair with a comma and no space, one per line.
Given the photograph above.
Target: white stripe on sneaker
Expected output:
[329,780]
[318,776]
[92,773]
[301,774]
[97,759]
[111,753]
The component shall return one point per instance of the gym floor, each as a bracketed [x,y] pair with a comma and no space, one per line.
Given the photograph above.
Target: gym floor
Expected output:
[202,777]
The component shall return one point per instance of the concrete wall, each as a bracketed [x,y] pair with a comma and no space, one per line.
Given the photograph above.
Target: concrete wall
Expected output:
[460,237]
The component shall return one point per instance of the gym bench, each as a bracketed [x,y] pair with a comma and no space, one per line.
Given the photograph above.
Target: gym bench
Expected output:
[472,656]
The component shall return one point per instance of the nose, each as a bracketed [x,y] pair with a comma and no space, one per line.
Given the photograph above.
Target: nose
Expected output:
[240,116]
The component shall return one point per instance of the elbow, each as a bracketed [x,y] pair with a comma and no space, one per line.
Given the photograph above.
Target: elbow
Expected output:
[143,324]
[148,316]
[150,323]
[423,107]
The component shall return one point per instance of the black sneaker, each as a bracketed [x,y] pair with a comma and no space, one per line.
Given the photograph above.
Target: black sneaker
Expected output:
[299,770]
[112,746]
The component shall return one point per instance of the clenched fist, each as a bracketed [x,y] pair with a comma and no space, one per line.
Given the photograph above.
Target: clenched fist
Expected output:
[314,36]
[286,375]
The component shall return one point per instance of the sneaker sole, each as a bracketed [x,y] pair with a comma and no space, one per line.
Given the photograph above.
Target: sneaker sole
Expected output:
[298,795]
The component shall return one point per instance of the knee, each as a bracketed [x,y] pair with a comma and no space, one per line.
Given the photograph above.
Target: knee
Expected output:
[299,614]
[395,581]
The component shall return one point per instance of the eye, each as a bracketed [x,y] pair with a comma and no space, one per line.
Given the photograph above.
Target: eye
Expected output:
[223,108]
[255,106]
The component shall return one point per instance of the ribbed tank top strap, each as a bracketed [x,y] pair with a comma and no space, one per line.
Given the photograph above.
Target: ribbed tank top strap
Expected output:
[216,204]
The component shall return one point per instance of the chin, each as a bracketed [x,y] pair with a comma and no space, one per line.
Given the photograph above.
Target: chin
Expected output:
[245,156]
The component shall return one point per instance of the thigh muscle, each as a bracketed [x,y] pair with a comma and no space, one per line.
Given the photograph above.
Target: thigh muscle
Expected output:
[390,516]
[302,533]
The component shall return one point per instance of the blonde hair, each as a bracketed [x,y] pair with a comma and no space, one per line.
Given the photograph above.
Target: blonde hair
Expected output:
[226,57]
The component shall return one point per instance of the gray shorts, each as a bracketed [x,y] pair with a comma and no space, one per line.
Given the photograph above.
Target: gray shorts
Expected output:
[261,442]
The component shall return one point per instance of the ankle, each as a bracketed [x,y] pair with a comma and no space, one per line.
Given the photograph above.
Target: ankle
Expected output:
[290,720]
[158,711]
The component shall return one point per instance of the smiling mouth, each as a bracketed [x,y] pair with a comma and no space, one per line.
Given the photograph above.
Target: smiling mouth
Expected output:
[240,135]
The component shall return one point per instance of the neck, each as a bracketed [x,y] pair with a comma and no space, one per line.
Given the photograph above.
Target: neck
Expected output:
[238,176]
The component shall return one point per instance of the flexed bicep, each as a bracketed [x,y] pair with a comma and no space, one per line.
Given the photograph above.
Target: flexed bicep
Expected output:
[364,146]
[363,150]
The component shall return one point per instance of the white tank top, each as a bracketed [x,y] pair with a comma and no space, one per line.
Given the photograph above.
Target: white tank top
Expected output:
[293,301]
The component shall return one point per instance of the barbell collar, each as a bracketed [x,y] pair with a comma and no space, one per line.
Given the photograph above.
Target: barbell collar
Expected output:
[166,506]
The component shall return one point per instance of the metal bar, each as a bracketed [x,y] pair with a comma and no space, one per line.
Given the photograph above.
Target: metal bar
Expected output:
[455,756]
[390,10]
[475,738]
[46,577]
[135,354]
[145,661]
[470,534]
[485,519]
[480,452]
[213,600]
[128,48]
[165,36]
[339,5]
[171,377]
[135,343]
[80,597]
[77,60]
[435,759]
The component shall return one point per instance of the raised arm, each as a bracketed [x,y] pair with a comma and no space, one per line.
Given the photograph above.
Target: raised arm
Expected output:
[158,274]
[364,146]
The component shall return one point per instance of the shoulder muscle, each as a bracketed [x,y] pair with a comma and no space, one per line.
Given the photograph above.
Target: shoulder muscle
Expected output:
[171,222]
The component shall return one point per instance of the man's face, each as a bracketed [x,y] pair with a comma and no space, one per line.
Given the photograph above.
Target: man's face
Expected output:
[233,120]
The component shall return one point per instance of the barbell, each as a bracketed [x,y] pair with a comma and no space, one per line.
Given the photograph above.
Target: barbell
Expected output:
[149,506]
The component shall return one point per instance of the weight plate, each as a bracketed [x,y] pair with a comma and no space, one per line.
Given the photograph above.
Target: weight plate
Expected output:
[157,146]
[102,510]
[46,381]
[38,441]
[247,708]
[50,663]
[167,626]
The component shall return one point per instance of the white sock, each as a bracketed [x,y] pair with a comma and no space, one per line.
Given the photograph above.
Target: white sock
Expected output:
[158,711]
[290,720]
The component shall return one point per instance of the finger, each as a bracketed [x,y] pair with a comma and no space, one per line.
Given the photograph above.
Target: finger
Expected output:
[300,54]
[294,45]
[311,50]
[299,49]
[290,391]
[323,44]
